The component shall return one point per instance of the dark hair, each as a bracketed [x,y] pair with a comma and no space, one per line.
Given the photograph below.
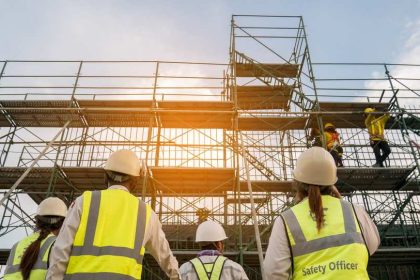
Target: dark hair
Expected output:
[314,193]
[209,246]
[31,253]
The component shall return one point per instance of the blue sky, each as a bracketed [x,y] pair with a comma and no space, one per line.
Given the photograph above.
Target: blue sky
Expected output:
[374,31]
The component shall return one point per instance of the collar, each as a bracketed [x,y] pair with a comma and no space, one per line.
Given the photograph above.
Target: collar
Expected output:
[118,187]
[209,253]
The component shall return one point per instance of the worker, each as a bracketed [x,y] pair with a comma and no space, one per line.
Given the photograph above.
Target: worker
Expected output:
[106,232]
[28,258]
[376,127]
[210,262]
[315,137]
[333,145]
[333,242]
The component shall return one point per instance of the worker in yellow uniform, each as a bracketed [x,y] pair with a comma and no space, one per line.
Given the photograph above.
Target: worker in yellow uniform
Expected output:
[210,262]
[376,127]
[106,233]
[322,236]
[333,145]
[28,258]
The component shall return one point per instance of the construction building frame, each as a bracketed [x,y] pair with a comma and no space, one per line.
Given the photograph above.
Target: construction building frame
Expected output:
[219,140]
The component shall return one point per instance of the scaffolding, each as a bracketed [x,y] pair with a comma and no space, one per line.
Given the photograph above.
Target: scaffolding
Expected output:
[210,132]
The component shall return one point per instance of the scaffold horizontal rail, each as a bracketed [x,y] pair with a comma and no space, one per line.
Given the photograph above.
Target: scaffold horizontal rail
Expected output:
[277,70]
[271,123]
[344,120]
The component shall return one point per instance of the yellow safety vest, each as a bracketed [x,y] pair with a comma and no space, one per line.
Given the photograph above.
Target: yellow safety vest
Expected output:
[332,140]
[338,251]
[209,271]
[39,271]
[376,126]
[109,241]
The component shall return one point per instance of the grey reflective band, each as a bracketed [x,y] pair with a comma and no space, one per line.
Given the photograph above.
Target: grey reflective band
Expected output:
[326,242]
[294,226]
[303,247]
[39,264]
[89,249]
[98,276]
[349,222]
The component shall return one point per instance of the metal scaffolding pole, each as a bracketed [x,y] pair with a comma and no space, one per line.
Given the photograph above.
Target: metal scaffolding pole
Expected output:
[23,176]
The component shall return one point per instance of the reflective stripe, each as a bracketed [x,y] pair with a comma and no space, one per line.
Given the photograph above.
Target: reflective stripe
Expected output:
[349,222]
[39,264]
[9,264]
[303,247]
[98,276]
[326,242]
[202,270]
[107,250]
[89,249]
[294,226]
[92,219]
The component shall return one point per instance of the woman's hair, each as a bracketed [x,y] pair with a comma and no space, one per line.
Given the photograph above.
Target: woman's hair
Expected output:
[314,197]
[30,255]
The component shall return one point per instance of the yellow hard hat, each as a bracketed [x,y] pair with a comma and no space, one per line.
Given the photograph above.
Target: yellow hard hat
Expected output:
[369,110]
[327,125]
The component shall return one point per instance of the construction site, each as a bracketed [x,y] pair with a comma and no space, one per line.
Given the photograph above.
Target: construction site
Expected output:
[220,140]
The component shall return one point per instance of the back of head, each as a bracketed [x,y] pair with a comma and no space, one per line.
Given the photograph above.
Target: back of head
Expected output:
[210,231]
[315,169]
[123,164]
[49,217]
[316,166]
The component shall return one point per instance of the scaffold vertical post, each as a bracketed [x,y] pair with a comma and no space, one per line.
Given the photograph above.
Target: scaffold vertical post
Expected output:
[253,210]
[23,176]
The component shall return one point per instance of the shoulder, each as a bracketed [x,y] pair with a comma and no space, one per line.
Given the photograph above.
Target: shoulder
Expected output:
[229,264]
[186,267]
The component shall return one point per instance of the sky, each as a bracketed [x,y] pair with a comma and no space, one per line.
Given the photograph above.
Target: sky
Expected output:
[351,31]
[196,30]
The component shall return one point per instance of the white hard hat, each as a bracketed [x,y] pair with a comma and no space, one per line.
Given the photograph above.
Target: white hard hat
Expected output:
[316,166]
[125,162]
[210,231]
[52,206]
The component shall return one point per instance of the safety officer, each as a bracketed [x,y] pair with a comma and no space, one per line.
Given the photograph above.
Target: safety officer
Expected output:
[322,236]
[333,145]
[28,258]
[376,128]
[106,232]
[210,262]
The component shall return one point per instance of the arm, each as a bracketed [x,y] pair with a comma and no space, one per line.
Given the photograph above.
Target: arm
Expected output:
[156,243]
[277,262]
[368,228]
[60,253]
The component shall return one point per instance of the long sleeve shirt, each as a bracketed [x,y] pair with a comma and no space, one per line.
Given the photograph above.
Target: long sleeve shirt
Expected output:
[277,262]
[154,241]
[376,126]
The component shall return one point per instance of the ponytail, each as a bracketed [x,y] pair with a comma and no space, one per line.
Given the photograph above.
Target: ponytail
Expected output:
[30,256]
[315,204]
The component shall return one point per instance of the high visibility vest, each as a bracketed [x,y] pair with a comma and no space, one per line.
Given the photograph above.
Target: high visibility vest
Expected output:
[109,241]
[332,139]
[338,251]
[376,127]
[209,271]
[39,271]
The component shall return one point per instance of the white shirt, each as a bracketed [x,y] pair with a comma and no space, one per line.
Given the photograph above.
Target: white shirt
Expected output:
[277,262]
[231,270]
[154,241]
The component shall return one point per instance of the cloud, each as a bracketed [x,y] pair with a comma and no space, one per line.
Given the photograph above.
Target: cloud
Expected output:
[406,77]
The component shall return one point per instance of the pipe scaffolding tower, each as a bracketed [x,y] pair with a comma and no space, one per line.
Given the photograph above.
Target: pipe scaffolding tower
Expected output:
[220,140]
